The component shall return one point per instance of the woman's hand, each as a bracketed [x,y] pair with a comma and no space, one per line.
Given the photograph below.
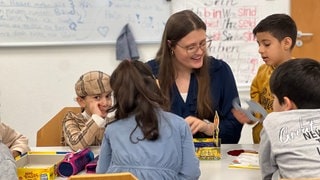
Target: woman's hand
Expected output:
[198,125]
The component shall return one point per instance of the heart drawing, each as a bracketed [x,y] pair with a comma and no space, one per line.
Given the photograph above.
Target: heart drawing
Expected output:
[103,30]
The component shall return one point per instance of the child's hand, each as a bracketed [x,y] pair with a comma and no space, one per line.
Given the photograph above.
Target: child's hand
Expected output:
[241,117]
[15,153]
[95,108]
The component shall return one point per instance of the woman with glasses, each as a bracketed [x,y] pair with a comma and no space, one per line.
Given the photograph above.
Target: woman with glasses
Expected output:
[196,84]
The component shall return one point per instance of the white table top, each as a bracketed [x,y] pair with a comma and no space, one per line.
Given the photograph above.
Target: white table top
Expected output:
[210,169]
[219,169]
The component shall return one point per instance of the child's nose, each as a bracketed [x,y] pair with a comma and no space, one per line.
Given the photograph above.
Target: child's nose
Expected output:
[261,49]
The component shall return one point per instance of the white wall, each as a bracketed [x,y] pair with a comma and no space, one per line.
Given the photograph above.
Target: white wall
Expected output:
[37,82]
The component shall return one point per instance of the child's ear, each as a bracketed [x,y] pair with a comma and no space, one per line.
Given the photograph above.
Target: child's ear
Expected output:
[81,102]
[288,104]
[287,42]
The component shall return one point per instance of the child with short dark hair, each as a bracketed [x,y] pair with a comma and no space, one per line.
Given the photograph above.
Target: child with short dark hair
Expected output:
[276,36]
[290,138]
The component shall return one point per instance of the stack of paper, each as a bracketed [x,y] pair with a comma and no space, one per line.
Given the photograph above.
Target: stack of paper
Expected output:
[246,160]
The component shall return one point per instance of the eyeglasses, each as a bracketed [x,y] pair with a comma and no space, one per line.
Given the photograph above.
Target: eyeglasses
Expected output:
[192,49]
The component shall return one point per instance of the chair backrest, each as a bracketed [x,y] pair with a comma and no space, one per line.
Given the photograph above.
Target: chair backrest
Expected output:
[50,133]
[109,176]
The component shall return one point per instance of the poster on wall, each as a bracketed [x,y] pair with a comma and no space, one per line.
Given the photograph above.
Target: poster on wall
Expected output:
[229,26]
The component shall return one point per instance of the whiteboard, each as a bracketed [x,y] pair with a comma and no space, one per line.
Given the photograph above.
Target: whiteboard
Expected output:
[63,22]
[229,25]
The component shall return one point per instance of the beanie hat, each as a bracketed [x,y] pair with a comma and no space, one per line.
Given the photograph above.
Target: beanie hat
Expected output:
[92,83]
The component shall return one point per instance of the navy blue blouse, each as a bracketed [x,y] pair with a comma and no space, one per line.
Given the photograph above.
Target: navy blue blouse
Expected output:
[223,90]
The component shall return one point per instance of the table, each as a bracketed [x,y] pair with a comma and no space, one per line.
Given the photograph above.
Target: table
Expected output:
[210,169]
[219,170]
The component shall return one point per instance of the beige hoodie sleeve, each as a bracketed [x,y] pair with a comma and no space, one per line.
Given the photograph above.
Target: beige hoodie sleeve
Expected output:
[13,139]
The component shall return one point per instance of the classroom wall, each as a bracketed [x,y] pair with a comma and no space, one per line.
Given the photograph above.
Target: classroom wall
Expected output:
[37,82]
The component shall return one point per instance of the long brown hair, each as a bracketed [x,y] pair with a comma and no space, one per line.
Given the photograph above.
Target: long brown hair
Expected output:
[137,93]
[178,26]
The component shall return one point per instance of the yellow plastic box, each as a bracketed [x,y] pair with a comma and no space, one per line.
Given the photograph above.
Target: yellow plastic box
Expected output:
[206,149]
[39,165]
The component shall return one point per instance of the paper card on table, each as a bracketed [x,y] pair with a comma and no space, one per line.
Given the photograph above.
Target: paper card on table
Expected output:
[246,160]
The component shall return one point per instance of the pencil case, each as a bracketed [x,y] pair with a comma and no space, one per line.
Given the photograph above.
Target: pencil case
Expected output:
[75,162]
[91,166]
